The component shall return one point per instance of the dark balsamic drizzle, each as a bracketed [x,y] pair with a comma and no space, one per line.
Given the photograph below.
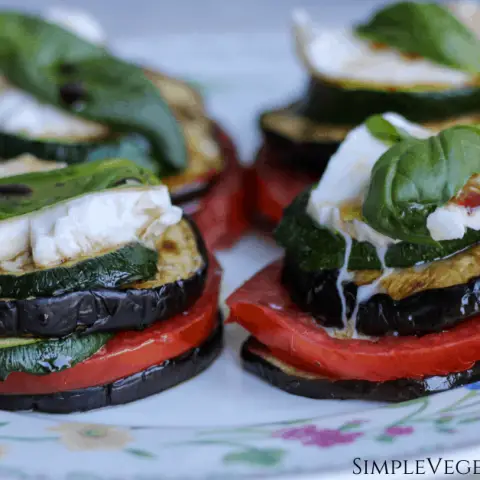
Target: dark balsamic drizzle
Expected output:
[15,189]
[73,94]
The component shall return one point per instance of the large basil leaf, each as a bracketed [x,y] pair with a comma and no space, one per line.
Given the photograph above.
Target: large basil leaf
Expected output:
[62,69]
[426,29]
[23,194]
[415,177]
[317,248]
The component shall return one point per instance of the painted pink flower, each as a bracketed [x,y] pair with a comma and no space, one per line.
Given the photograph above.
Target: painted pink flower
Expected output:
[397,431]
[311,435]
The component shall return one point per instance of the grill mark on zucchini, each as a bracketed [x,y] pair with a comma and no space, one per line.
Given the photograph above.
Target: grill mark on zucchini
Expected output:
[179,283]
[257,360]
[15,190]
[155,379]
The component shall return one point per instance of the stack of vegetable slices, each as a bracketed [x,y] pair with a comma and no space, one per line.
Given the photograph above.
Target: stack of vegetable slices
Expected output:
[377,296]
[420,60]
[66,99]
[107,291]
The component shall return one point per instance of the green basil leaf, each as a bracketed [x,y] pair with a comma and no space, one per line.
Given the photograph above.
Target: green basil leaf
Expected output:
[317,248]
[30,192]
[415,177]
[64,70]
[386,132]
[426,29]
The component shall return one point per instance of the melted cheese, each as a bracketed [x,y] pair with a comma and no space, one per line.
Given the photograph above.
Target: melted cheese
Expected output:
[86,225]
[339,55]
[21,113]
[345,182]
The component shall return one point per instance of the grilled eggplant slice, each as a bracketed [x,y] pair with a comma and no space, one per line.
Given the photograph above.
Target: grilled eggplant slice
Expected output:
[111,269]
[413,301]
[153,380]
[308,132]
[297,142]
[181,274]
[257,359]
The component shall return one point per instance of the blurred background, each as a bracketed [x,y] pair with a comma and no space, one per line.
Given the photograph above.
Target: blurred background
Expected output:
[238,53]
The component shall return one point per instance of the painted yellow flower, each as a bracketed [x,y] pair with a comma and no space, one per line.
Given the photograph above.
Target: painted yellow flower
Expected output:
[90,436]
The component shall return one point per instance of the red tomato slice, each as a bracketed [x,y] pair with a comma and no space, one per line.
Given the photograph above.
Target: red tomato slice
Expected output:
[221,214]
[132,351]
[264,308]
[275,186]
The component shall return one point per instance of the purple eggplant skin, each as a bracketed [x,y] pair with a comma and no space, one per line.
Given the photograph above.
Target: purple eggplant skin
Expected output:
[424,312]
[103,310]
[392,391]
[304,156]
[316,293]
[148,382]
[190,193]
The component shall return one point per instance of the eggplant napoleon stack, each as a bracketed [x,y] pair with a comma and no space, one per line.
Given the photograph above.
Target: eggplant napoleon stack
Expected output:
[66,99]
[377,296]
[420,60]
[107,291]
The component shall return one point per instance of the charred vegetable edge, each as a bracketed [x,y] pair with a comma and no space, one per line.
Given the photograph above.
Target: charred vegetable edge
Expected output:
[111,269]
[322,388]
[103,310]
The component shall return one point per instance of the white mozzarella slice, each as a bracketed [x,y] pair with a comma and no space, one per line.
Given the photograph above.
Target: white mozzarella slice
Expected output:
[89,224]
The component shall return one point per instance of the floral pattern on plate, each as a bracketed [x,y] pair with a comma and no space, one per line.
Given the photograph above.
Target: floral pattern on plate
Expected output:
[419,428]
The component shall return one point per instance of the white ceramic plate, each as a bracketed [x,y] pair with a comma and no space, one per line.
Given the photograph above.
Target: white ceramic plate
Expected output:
[226,424]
